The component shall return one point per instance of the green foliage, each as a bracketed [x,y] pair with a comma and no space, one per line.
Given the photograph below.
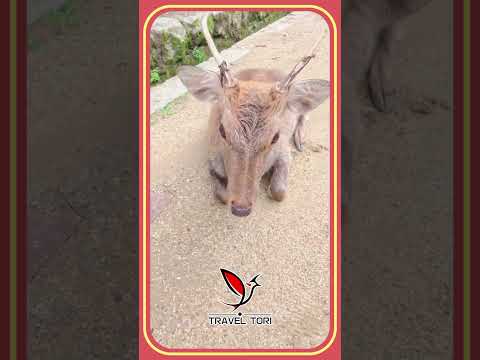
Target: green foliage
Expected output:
[154,54]
[154,76]
[55,22]
[175,46]
[222,43]
[193,49]
[210,24]
[199,55]
[33,44]
[171,108]
[167,110]
[63,16]
[262,19]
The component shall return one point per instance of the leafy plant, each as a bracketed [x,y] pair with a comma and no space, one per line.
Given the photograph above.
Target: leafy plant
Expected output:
[63,16]
[199,55]
[167,110]
[154,76]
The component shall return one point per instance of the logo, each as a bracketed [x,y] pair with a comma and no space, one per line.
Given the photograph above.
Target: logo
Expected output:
[235,284]
[244,293]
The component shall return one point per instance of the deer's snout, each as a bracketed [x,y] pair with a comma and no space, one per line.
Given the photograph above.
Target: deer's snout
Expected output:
[239,209]
[243,180]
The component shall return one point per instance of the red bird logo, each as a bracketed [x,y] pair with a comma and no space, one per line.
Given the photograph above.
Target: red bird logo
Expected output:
[235,284]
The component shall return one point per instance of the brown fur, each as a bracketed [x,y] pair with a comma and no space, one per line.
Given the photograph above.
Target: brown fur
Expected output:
[258,108]
[250,127]
[255,105]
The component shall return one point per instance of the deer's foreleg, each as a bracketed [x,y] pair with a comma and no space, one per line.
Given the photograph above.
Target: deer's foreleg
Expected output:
[219,176]
[299,133]
[380,73]
[279,180]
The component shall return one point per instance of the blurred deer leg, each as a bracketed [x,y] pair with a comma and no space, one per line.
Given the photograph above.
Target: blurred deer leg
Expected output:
[217,171]
[220,187]
[220,191]
[346,174]
[380,73]
[216,165]
[379,76]
[352,135]
[279,181]
[299,134]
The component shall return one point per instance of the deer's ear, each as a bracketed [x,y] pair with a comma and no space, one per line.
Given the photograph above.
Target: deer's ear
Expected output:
[204,85]
[304,96]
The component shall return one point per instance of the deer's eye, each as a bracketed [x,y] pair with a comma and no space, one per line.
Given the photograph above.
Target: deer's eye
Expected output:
[221,129]
[275,138]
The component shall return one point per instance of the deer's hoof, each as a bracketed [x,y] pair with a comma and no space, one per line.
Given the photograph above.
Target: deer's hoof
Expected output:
[381,93]
[278,195]
[298,145]
[298,139]
[380,100]
[220,192]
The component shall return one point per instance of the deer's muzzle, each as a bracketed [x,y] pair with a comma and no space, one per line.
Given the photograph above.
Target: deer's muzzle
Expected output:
[243,179]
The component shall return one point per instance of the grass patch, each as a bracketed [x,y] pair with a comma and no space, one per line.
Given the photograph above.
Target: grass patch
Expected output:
[199,54]
[154,76]
[33,44]
[167,111]
[63,17]
[53,24]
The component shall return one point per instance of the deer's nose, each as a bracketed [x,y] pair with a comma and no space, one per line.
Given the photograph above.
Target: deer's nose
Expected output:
[240,210]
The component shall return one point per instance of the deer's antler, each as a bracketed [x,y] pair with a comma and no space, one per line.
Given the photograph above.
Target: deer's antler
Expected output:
[226,77]
[299,67]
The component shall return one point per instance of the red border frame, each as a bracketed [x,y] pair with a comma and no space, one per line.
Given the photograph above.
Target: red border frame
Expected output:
[5,154]
[332,351]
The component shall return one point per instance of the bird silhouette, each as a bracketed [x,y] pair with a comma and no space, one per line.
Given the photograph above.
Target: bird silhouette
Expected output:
[235,284]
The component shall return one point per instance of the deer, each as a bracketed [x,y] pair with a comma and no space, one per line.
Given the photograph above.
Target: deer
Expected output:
[255,116]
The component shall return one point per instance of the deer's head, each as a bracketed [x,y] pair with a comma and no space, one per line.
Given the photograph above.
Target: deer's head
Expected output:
[253,115]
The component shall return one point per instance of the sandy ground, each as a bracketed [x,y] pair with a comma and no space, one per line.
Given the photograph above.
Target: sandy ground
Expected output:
[82,227]
[398,302]
[193,235]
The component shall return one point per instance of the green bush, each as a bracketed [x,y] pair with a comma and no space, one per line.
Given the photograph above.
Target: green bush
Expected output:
[199,55]
[154,76]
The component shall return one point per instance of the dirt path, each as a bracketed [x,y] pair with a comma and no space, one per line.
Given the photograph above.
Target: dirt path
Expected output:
[399,238]
[193,236]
